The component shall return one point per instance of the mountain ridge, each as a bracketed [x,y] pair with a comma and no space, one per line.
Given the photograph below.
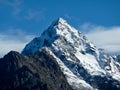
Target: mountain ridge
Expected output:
[75,51]
[29,73]
[82,64]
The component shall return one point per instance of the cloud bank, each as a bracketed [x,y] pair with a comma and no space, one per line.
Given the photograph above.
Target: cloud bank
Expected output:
[15,41]
[103,37]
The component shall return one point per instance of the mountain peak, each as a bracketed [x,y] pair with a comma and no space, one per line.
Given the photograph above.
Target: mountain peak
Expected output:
[58,32]
[61,27]
[72,50]
[59,21]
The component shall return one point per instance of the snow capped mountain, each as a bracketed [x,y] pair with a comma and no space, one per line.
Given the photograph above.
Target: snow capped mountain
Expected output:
[79,59]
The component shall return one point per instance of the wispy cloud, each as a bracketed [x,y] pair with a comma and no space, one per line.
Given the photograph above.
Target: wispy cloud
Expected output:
[34,15]
[20,11]
[13,40]
[103,37]
[67,16]
[15,4]
[70,17]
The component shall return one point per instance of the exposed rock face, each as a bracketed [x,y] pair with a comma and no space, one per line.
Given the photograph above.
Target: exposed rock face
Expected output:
[35,72]
[79,55]
[62,58]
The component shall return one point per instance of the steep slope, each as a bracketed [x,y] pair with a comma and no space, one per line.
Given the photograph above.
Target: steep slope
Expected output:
[78,54]
[63,39]
[35,72]
[73,80]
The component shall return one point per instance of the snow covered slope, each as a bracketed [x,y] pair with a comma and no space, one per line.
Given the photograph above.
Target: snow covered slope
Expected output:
[73,80]
[76,52]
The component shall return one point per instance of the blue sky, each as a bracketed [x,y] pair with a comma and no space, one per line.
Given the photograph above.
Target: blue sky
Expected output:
[21,20]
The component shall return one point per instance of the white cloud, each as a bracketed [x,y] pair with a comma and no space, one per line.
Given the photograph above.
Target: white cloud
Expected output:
[7,46]
[103,37]
[13,41]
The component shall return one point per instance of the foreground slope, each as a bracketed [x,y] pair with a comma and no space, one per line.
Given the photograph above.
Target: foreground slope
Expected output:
[81,57]
[35,72]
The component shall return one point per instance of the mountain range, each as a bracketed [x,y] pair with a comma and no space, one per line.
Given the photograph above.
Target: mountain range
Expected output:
[62,58]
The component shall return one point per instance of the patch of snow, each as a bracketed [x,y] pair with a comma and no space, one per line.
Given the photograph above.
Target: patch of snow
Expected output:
[65,40]
[72,79]
[90,63]
[114,70]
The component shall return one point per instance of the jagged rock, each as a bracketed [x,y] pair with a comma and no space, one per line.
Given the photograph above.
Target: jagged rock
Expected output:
[35,72]
[62,58]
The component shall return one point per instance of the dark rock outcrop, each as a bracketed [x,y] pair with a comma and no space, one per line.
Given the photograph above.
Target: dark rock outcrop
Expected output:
[34,72]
